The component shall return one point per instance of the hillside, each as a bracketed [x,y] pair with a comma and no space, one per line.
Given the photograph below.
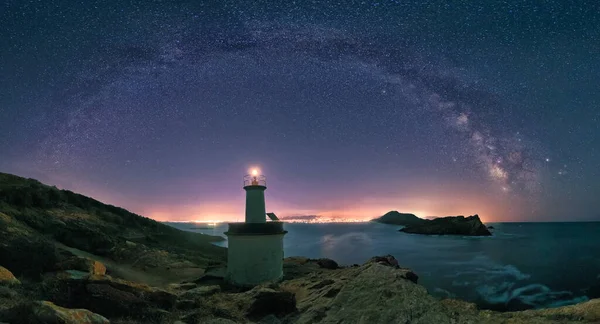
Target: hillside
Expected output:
[38,223]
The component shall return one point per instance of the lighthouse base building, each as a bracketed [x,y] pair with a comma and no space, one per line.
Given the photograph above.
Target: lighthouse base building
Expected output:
[255,253]
[255,247]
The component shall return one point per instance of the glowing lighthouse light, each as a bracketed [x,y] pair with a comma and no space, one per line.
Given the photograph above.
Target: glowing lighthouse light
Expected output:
[255,247]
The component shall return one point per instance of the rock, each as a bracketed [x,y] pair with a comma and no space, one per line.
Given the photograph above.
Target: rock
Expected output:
[490,227]
[411,276]
[183,286]
[105,295]
[395,218]
[322,283]
[90,266]
[186,304]
[373,293]
[45,312]
[85,236]
[112,302]
[23,251]
[388,260]
[206,316]
[157,315]
[268,301]
[212,276]
[218,321]
[327,264]
[295,267]
[332,292]
[6,292]
[269,319]
[452,225]
[201,292]
[7,278]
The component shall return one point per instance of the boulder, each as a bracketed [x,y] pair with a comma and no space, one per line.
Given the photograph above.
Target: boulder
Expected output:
[186,304]
[267,301]
[90,266]
[85,235]
[388,260]
[212,276]
[201,291]
[327,263]
[107,296]
[45,312]
[112,302]
[395,218]
[452,225]
[7,278]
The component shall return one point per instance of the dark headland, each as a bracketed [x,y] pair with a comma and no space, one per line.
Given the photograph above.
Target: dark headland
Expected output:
[67,258]
[396,218]
[450,225]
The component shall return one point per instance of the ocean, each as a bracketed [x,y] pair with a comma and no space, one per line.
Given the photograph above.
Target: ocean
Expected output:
[522,266]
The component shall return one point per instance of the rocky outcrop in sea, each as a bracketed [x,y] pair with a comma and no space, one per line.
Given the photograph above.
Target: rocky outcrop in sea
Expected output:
[451,225]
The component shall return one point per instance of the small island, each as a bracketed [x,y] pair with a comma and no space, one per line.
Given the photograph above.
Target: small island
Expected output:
[451,225]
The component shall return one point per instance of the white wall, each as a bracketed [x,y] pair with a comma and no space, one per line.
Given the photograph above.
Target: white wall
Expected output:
[254,259]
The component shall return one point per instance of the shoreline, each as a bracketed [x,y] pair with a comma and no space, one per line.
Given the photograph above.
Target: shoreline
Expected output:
[524,290]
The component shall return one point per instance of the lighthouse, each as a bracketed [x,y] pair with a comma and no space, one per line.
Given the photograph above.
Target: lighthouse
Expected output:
[255,247]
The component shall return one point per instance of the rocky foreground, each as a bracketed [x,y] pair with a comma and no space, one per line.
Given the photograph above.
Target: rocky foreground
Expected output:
[65,258]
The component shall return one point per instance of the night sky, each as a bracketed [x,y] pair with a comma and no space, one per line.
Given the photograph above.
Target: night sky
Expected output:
[350,108]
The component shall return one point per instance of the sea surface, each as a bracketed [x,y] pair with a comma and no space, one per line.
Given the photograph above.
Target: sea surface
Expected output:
[523,265]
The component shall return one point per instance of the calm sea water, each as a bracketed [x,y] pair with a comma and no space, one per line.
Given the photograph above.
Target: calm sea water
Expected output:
[523,265]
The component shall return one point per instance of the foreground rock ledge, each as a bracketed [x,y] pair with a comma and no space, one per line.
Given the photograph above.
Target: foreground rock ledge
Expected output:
[47,312]
[377,292]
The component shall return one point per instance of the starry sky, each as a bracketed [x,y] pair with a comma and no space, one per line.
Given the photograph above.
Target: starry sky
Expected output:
[350,108]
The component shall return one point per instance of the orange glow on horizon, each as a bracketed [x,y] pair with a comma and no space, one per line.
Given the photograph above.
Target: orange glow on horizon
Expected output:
[233,213]
[424,201]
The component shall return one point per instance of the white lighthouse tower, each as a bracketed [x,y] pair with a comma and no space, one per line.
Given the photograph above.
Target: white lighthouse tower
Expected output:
[255,247]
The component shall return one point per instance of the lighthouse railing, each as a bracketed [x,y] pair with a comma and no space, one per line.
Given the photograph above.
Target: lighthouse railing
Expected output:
[252,180]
